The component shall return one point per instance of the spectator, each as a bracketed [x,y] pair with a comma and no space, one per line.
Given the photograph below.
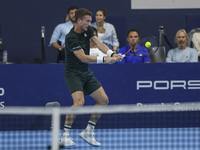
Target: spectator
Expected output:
[58,37]
[132,37]
[106,31]
[182,53]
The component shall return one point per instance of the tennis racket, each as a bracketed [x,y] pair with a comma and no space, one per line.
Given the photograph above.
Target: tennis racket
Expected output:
[149,44]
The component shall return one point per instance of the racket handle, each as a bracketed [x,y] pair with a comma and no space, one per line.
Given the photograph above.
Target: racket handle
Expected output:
[123,55]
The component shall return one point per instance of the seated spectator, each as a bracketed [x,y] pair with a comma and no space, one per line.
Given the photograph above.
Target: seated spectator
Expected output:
[182,53]
[196,43]
[61,30]
[190,35]
[94,51]
[132,37]
[106,31]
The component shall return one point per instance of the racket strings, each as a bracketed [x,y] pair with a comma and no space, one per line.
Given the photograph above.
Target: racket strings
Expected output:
[154,44]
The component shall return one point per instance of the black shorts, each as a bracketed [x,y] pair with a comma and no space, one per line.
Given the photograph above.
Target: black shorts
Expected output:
[85,82]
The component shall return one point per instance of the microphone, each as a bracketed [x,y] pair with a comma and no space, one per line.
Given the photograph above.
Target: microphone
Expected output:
[52,104]
[43,31]
[43,43]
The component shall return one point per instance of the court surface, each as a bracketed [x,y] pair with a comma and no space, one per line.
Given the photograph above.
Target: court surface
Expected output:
[110,139]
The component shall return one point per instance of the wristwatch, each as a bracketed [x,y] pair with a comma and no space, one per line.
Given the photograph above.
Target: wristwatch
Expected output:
[60,48]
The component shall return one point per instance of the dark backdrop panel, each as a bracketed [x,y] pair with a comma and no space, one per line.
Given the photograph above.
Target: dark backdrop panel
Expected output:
[21,22]
[193,21]
[0,28]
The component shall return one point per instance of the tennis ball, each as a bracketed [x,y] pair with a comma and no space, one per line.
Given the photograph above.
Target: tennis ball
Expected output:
[148,44]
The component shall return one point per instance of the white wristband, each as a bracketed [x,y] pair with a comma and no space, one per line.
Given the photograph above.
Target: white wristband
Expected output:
[99,59]
[109,53]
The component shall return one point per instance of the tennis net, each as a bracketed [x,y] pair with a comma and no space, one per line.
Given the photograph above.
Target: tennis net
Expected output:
[169,126]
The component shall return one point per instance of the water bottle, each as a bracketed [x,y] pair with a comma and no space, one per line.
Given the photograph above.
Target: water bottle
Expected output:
[5,56]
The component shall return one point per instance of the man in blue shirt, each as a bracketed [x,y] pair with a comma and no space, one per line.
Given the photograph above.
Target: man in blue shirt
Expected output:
[62,30]
[132,37]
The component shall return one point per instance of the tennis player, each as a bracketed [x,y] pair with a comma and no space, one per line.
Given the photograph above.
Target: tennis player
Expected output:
[79,78]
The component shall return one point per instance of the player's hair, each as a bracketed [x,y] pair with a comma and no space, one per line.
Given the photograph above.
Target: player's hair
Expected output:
[103,10]
[71,8]
[95,31]
[133,30]
[176,36]
[81,12]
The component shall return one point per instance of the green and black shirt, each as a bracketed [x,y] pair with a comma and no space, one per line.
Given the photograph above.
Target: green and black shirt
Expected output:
[73,42]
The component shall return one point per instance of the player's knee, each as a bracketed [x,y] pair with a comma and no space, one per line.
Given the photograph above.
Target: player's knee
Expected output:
[105,101]
[80,102]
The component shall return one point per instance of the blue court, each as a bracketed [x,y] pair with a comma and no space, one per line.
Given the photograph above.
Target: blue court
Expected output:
[110,139]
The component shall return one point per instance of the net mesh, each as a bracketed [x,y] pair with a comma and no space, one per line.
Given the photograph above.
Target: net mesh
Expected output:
[122,127]
[24,132]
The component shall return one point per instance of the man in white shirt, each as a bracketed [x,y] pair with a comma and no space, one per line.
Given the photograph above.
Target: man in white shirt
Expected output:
[182,53]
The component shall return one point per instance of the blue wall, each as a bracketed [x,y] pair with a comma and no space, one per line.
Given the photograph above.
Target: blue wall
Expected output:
[35,85]
[21,22]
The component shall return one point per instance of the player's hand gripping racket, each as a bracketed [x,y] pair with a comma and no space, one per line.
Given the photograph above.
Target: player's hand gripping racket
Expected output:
[149,43]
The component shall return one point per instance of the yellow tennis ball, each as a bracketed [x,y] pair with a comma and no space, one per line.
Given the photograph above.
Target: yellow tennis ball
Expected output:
[148,44]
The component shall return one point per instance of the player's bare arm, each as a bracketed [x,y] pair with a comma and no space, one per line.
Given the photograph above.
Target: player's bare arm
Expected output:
[104,48]
[80,54]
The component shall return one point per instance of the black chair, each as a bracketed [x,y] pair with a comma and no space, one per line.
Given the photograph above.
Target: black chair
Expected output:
[61,54]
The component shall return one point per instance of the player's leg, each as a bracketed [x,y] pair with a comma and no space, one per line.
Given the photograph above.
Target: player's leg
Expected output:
[101,100]
[88,134]
[75,86]
[78,100]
